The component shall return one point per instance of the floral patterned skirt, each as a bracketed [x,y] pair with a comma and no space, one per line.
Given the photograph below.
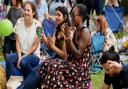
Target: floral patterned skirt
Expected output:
[60,74]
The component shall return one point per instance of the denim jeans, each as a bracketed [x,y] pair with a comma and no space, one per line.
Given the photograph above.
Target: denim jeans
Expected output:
[27,64]
[32,81]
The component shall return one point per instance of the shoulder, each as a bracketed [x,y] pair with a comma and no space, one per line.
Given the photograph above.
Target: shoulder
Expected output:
[37,23]
[20,10]
[85,30]
[109,31]
[12,8]
[125,67]
[20,20]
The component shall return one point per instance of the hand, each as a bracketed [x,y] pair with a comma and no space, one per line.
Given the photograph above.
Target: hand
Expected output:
[51,41]
[18,63]
[69,33]
[64,27]
[43,33]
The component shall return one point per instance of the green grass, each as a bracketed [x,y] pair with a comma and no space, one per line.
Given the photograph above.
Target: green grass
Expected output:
[2,59]
[97,80]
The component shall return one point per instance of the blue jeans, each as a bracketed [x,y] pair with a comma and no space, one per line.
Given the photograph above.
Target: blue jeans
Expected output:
[32,81]
[27,64]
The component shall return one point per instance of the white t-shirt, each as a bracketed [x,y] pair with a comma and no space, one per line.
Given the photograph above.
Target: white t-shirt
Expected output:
[27,35]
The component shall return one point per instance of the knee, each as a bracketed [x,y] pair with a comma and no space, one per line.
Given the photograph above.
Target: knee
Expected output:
[24,63]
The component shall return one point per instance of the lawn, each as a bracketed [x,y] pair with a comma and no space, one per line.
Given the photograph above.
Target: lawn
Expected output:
[97,80]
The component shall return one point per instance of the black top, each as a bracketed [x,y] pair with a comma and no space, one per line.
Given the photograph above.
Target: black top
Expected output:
[118,81]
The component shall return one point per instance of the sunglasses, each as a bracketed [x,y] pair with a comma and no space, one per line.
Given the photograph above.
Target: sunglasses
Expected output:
[74,14]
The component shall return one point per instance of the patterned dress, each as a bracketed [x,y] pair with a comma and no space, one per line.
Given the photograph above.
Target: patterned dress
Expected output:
[70,74]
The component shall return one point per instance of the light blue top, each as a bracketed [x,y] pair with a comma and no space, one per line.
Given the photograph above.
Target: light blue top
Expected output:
[42,10]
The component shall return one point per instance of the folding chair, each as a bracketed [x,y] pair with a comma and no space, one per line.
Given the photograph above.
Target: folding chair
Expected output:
[114,16]
[98,40]
[49,28]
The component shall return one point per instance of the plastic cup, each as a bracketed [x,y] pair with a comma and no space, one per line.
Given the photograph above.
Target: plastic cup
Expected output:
[39,31]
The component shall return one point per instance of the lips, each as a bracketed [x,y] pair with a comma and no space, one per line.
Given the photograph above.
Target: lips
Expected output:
[26,15]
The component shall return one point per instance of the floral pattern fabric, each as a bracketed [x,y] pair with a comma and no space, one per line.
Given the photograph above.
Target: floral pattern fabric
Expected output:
[69,74]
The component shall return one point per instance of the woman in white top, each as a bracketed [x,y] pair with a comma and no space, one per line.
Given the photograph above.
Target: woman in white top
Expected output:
[27,43]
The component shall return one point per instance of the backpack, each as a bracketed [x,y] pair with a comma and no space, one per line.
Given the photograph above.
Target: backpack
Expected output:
[98,40]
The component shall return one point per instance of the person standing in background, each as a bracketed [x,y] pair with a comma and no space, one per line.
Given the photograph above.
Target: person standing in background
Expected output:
[15,12]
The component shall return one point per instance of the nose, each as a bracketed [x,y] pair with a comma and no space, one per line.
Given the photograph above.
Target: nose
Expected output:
[56,16]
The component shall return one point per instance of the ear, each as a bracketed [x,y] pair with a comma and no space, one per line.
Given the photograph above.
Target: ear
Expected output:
[33,13]
[65,17]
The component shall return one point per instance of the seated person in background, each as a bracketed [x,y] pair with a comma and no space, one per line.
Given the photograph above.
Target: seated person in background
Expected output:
[116,73]
[102,26]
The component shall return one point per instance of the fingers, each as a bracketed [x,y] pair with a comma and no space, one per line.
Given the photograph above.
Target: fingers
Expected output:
[64,35]
[18,65]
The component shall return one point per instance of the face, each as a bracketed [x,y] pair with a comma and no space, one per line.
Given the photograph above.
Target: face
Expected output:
[28,13]
[75,16]
[14,2]
[59,17]
[109,68]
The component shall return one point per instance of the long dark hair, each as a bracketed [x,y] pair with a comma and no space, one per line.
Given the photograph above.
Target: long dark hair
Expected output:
[18,2]
[65,13]
[110,55]
[33,6]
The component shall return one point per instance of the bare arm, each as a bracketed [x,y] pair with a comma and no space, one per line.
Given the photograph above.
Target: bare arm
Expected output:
[47,16]
[61,51]
[85,40]
[105,86]
[44,37]
[18,47]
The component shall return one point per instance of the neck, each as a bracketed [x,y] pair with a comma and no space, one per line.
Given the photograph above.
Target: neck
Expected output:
[79,26]
[28,23]
[17,6]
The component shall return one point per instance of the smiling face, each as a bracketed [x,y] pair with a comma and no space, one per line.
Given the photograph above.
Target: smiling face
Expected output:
[28,13]
[59,17]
